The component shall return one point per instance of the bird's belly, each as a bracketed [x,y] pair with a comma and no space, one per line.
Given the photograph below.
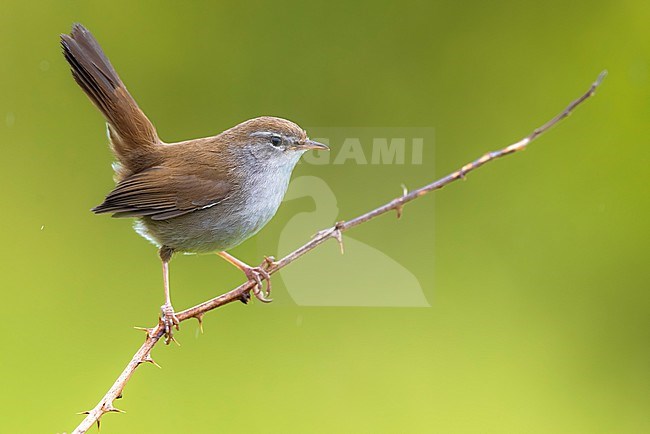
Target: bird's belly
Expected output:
[218,228]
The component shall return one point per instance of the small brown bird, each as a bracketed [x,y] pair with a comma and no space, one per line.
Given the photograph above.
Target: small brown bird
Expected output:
[197,196]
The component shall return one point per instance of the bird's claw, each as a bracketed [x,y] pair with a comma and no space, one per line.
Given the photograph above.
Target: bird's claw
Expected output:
[169,320]
[256,274]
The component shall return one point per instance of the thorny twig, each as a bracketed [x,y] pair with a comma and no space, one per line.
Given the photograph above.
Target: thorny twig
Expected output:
[143,355]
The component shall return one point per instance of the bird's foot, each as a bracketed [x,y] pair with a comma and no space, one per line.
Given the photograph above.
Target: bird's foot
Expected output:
[169,320]
[256,274]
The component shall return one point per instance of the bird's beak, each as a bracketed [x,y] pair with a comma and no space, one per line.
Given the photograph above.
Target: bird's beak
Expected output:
[310,144]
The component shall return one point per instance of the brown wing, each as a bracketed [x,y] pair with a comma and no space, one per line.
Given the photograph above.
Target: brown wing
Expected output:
[163,193]
[133,136]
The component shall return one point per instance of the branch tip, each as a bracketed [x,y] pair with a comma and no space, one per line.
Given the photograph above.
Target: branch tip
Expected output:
[600,78]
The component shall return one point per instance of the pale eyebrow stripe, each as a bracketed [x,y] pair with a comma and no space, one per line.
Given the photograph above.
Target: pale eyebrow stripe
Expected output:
[264,134]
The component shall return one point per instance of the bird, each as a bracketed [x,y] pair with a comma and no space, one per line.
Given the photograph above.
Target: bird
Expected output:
[197,196]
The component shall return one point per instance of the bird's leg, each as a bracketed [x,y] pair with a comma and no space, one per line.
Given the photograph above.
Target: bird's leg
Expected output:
[254,274]
[168,317]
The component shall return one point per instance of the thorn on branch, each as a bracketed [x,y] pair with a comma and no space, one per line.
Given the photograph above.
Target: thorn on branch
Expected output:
[400,207]
[148,359]
[105,408]
[199,318]
[463,170]
[269,262]
[147,330]
[245,297]
[108,408]
[333,232]
[339,239]
[338,235]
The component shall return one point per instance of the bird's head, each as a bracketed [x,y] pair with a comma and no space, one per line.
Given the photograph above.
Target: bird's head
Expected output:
[274,141]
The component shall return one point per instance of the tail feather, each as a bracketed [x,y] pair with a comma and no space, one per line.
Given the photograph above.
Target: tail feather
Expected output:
[133,137]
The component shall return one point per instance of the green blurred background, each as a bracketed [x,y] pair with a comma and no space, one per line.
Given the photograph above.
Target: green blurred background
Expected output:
[536,267]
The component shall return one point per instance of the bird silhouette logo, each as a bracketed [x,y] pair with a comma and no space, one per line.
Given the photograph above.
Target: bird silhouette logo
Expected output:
[363,276]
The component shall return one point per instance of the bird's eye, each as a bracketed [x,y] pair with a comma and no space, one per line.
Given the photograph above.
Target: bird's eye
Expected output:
[276,140]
